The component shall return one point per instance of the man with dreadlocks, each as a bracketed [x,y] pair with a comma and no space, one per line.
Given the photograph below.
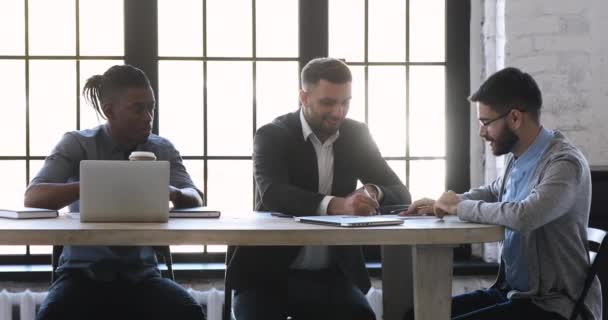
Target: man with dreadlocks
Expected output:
[101,281]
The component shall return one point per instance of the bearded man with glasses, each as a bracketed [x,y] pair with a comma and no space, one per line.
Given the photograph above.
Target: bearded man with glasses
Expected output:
[542,200]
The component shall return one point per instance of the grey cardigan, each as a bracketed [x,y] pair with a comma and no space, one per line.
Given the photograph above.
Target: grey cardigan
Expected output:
[553,221]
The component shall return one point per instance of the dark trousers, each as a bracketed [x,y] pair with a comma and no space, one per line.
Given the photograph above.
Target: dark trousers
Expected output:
[75,296]
[307,295]
[492,304]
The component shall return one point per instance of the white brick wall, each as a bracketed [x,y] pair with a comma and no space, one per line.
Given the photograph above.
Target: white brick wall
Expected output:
[564,45]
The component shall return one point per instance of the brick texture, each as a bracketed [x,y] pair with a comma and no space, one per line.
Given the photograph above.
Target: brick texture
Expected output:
[564,45]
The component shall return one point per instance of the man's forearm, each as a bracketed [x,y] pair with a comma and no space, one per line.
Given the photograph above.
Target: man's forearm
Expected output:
[188,198]
[51,195]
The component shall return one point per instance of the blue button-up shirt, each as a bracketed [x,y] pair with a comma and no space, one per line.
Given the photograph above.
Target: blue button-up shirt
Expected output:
[62,165]
[517,189]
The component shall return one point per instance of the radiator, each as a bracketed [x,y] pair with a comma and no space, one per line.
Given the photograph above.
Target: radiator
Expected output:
[22,305]
[374,297]
[26,302]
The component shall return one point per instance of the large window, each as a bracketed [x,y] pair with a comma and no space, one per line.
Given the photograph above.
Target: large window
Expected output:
[223,68]
[397,51]
[231,71]
[48,50]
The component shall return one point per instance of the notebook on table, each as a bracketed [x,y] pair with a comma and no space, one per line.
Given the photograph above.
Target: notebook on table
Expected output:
[124,191]
[195,212]
[28,213]
[350,221]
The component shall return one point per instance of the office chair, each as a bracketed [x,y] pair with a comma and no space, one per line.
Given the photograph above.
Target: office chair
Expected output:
[163,252]
[597,239]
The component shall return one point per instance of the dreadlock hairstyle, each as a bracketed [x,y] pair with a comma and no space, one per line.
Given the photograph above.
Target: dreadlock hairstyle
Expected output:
[104,88]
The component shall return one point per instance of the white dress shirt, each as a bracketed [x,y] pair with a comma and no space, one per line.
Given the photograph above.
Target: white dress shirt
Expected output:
[317,257]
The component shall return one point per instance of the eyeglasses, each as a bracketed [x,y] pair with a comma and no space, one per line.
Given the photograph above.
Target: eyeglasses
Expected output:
[486,123]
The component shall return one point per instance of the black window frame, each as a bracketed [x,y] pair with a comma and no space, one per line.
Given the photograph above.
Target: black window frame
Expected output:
[141,50]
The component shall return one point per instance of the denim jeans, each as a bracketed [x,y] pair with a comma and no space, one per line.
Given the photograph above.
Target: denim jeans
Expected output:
[76,296]
[492,304]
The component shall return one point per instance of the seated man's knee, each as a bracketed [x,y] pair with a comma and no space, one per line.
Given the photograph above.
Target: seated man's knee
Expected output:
[167,298]
[258,304]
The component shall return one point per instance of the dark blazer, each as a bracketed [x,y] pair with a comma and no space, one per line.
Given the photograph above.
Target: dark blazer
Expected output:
[286,176]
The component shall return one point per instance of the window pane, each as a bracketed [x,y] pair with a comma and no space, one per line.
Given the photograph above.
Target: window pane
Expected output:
[41,249]
[102,27]
[180,28]
[229,28]
[187,248]
[196,171]
[181,105]
[229,108]
[387,30]
[427,178]
[356,111]
[216,248]
[52,103]
[277,90]
[5,250]
[271,40]
[231,186]
[427,30]
[52,27]
[12,24]
[12,112]
[89,68]
[398,167]
[347,29]
[387,109]
[35,166]
[12,187]
[427,111]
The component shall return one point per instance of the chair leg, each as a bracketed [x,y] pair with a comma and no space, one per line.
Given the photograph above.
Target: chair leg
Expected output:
[164,253]
[169,264]
[57,250]
[227,311]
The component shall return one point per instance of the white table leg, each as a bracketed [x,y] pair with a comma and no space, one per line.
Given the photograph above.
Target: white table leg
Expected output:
[432,282]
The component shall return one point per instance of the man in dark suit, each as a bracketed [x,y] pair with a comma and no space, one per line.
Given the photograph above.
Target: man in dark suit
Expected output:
[308,163]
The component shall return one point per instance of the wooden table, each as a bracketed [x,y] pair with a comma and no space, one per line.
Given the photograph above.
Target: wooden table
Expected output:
[431,240]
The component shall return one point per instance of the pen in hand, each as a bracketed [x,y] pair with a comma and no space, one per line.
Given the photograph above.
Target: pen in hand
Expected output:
[369,195]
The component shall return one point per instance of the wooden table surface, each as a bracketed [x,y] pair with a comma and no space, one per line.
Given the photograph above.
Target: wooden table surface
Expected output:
[248,229]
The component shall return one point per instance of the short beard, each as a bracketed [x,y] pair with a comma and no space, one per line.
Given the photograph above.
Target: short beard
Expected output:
[317,127]
[505,142]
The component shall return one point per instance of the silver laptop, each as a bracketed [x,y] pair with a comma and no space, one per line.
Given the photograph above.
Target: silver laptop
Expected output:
[124,191]
[350,221]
